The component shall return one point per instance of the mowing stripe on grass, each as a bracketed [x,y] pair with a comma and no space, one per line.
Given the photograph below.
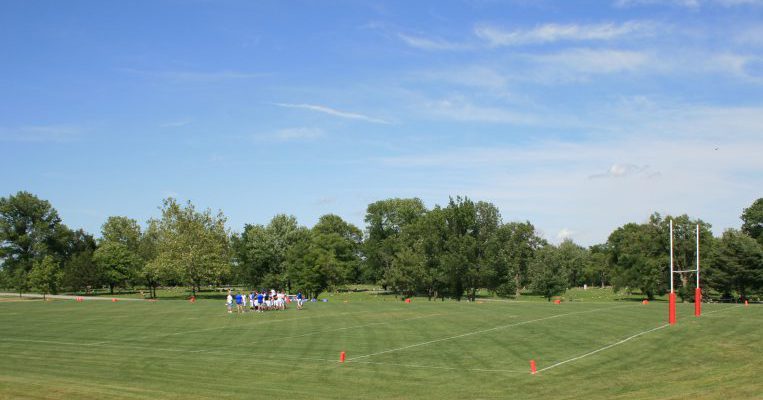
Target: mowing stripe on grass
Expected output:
[482,331]
[256,323]
[609,346]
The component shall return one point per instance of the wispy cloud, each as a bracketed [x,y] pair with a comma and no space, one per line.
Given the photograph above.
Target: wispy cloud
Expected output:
[334,112]
[549,33]
[459,108]
[197,76]
[41,133]
[430,43]
[592,61]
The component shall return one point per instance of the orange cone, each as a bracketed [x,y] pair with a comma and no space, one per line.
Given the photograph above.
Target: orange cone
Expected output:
[533,369]
[342,356]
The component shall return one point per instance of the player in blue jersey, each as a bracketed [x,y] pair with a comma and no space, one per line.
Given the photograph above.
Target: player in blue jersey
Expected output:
[239,302]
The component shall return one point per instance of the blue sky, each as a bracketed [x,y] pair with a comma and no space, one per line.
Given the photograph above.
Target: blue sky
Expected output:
[577,116]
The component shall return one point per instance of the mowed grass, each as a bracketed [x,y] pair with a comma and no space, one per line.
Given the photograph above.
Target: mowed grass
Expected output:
[436,350]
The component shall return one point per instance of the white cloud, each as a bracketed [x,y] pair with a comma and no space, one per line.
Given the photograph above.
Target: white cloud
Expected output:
[564,234]
[623,170]
[550,33]
[334,112]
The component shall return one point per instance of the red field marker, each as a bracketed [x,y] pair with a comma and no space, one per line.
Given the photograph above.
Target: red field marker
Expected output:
[342,356]
[697,302]
[114,300]
[645,302]
[557,301]
[745,302]
[407,300]
[533,369]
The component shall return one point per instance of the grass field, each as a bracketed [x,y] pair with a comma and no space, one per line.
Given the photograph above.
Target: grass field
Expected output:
[436,350]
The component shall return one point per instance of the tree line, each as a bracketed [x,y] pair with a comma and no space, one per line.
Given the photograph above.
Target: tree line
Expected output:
[450,251]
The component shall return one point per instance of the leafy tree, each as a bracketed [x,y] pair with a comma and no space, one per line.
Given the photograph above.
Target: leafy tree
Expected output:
[385,222]
[192,246]
[117,263]
[512,249]
[548,276]
[752,218]
[122,230]
[737,265]
[30,229]
[597,269]
[574,259]
[79,269]
[147,250]
[45,276]
[261,252]
[638,259]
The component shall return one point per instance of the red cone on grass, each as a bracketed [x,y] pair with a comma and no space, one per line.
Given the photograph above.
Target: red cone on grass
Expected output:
[342,356]
[533,369]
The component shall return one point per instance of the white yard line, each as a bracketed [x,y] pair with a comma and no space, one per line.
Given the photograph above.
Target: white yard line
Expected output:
[438,367]
[603,348]
[483,331]
[621,342]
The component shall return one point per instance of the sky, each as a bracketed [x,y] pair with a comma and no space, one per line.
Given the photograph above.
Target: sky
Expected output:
[576,116]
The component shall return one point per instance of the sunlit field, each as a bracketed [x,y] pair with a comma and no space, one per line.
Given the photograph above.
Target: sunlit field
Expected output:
[177,349]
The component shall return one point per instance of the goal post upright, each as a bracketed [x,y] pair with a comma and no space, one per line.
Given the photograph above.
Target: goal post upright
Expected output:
[672,295]
[697,291]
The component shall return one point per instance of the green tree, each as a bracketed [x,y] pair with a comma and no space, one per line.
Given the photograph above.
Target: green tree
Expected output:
[45,276]
[118,264]
[512,249]
[30,230]
[574,259]
[385,222]
[192,247]
[261,252]
[147,250]
[737,265]
[752,218]
[79,269]
[548,276]
[597,270]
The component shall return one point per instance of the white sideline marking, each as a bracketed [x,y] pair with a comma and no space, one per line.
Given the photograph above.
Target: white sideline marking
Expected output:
[722,309]
[51,342]
[621,342]
[483,331]
[603,348]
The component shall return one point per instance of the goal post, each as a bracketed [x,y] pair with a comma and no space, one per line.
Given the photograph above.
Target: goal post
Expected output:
[672,294]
